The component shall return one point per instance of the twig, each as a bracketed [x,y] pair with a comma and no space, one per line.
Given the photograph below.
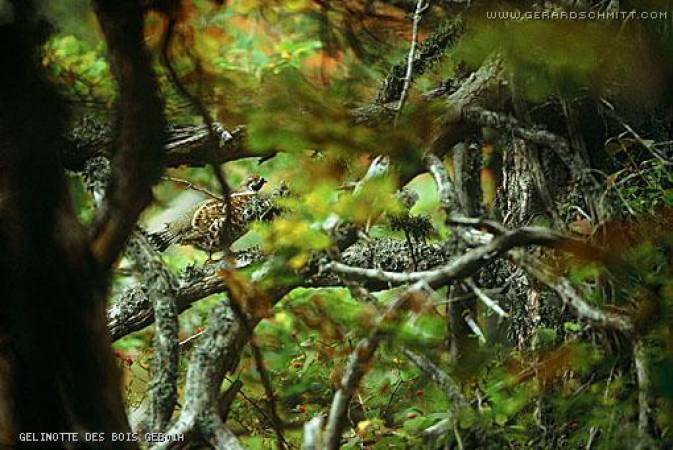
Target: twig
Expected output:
[428,52]
[270,396]
[421,6]
[357,366]
[485,299]
[202,111]
[313,433]
[192,186]
[450,387]
[644,408]
[610,109]
[474,326]
[190,338]
[438,431]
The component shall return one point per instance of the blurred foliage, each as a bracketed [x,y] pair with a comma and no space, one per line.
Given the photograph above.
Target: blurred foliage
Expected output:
[292,71]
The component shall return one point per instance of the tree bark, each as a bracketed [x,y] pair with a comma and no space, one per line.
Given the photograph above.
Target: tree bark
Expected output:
[61,376]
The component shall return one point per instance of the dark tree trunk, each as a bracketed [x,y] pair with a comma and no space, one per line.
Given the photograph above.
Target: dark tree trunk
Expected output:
[58,371]
[526,196]
[467,162]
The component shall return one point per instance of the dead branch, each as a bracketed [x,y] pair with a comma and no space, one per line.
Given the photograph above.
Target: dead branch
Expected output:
[421,6]
[132,310]
[313,436]
[357,366]
[450,387]
[429,52]
[485,299]
[644,403]
[487,87]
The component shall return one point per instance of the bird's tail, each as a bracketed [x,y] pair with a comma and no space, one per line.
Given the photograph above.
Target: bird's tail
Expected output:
[161,240]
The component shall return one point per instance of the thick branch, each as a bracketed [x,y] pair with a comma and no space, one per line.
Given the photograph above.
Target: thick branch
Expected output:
[138,162]
[184,144]
[160,285]
[216,433]
[486,87]
[207,366]
[445,188]
[132,310]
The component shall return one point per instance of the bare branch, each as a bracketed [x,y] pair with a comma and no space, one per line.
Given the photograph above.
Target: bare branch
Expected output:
[464,265]
[429,52]
[421,6]
[474,326]
[356,368]
[486,87]
[132,311]
[571,297]
[207,366]
[445,188]
[489,225]
[438,431]
[183,145]
[450,387]
[485,299]
[215,432]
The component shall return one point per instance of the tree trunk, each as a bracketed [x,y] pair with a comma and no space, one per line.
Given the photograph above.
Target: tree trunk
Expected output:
[58,371]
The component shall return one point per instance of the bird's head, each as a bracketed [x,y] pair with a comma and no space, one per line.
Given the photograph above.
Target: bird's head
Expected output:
[254,183]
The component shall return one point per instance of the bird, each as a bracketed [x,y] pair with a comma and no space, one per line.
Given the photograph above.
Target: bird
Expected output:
[204,225]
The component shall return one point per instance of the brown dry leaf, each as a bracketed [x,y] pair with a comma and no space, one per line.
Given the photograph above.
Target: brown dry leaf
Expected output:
[251,300]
